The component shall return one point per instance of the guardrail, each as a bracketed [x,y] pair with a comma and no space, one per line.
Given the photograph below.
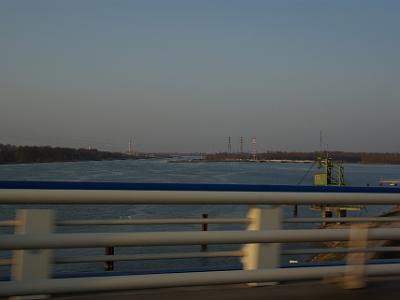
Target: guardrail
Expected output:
[186,221]
[34,238]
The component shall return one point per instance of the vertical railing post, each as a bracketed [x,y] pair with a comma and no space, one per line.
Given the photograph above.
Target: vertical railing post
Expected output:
[262,255]
[32,264]
[204,227]
[109,264]
[356,261]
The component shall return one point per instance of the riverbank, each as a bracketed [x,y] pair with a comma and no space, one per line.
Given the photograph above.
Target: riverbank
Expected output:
[10,154]
[293,157]
[282,161]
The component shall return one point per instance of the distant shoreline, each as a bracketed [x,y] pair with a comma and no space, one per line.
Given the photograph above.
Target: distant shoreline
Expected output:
[266,162]
[65,161]
[10,154]
[274,161]
[302,157]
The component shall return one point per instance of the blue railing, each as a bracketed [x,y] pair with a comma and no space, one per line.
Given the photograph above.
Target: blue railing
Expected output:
[127,186]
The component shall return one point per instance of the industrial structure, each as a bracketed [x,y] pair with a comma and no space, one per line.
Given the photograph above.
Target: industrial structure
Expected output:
[331,174]
[254,148]
[130,147]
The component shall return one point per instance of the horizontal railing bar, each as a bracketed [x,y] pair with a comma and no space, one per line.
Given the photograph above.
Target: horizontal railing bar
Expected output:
[34,196]
[131,186]
[131,282]
[343,220]
[154,221]
[90,240]
[339,250]
[8,223]
[101,258]
[5,262]
[12,223]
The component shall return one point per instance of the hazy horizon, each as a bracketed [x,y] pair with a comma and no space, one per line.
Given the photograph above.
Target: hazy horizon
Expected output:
[182,76]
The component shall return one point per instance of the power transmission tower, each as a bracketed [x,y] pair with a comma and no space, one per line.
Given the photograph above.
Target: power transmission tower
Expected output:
[254,148]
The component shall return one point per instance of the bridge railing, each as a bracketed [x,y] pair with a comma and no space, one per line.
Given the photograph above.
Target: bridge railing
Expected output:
[35,237]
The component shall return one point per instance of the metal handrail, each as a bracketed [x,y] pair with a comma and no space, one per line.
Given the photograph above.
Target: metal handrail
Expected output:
[8,223]
[342,220]
[157,256]
[131,282]
[34,196]
[6,262]
[88,240]
[160,256]
[261,237]
[169,221]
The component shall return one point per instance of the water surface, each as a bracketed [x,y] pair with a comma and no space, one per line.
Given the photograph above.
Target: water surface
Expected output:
[165,171]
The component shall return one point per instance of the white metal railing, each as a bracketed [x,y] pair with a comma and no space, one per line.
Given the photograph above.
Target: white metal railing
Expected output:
[181,221]
[8,223]
[106,284]
[35,196]
[158,256]
[260,253]
[92,240]
[117,283]
[187,221]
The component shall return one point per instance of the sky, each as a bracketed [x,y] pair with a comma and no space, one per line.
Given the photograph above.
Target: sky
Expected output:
[182,76]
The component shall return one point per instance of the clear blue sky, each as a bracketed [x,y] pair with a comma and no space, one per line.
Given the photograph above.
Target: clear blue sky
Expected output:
[184,75]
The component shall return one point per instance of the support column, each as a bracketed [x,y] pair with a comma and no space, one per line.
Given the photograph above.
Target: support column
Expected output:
[356,261]
[262,255]
[32,264]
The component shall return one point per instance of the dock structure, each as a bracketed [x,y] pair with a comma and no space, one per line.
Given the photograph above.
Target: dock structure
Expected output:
[390,182]
[261,240]
[331,174]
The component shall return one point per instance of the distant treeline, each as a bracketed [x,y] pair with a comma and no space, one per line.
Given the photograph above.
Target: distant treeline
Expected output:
[349,157]
[35,154]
